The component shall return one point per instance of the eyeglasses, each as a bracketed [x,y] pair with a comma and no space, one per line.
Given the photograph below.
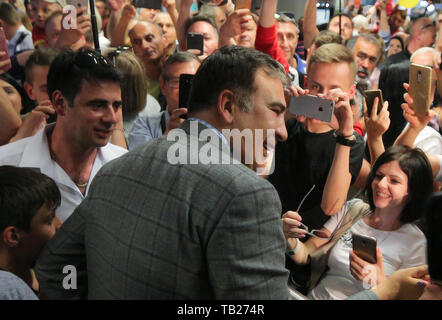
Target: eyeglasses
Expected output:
[318,233]
[172,82]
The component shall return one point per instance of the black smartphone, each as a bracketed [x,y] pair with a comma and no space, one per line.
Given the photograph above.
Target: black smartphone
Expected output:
[433,216]
[312,106]
[186,81]
[370,95]
[150,4]
[195,41]
[365,247]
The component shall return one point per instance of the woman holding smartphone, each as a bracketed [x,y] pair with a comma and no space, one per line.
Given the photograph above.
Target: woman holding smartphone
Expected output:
[398,184]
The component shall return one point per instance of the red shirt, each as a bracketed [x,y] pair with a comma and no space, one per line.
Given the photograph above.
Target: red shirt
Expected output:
[267,42]
[38,34]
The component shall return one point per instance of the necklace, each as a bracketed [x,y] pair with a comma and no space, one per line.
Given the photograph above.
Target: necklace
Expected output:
[54,157]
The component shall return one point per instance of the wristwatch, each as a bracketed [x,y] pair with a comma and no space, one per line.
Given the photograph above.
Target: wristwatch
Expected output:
[292,252]
[344,141]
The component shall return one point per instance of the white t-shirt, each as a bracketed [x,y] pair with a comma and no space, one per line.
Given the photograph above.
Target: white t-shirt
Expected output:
[402,248]
[428,140]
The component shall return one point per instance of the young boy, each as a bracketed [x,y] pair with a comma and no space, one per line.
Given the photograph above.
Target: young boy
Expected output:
[28,200]
[41,10]
[36,71]
[19,38]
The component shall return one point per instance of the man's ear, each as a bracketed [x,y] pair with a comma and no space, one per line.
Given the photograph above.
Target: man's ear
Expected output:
[11,237]
[226,105]
[28,88]
[163,86]
[352,91]
[59,102]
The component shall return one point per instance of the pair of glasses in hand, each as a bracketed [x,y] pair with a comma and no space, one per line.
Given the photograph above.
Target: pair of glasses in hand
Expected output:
[315,233]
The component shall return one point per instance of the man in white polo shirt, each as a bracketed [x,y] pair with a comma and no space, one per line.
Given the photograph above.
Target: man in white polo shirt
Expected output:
[84,89]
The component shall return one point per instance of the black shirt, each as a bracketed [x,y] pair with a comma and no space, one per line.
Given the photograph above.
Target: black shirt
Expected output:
[304,160]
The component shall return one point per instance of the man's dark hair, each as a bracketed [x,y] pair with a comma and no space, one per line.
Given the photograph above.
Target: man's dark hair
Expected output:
[232,68]
[23,192]
[414,163]
[71,68]
[325,37]
[178,57]
[199,18]
[40,57]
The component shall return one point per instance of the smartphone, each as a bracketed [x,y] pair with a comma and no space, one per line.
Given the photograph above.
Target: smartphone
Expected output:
[79,3]
[4,47]
[186,81]
[312,107]
[150,4]
[433,232]
[369,99]
[420,87]
[365,247]
[243,4]
[195,41]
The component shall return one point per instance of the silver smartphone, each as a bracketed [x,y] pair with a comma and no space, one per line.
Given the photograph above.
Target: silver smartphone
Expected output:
[365,247]
[312,107]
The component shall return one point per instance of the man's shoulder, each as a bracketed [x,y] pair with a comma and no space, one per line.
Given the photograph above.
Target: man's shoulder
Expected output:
[11,153]
[112,151]
[14,288]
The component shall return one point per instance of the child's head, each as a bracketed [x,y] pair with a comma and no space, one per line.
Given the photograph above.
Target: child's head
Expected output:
[41,10]
[9,19]
[36,71]
[28,200]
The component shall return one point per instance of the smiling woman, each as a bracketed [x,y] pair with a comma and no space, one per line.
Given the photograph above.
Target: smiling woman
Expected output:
[397,187]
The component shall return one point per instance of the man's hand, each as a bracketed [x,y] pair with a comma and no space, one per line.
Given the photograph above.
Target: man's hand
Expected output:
[293,91]
[342,119]
[169,4]
[376,124]
[236,22]
[403,284]
[175,119]
[416,121]
[432,292]
[34,121]
[129,12]
[362,270]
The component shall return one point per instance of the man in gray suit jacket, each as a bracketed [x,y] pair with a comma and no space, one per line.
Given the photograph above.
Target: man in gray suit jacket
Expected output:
[154,227]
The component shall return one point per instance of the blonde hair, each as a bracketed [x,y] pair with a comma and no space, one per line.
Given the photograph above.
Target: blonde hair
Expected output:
[333,53]
[134,84]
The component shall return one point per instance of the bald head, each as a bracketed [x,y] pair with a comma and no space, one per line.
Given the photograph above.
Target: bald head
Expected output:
[148,41]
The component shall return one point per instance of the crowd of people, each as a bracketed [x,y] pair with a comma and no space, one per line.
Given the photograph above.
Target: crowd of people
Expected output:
[228,194]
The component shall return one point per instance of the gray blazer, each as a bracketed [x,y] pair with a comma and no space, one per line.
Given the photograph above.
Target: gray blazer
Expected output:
[152,230]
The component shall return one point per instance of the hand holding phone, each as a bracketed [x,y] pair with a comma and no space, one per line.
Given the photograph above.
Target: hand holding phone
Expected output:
[365,247]
[370,95]
[312,106]
[420,87]
[195,41]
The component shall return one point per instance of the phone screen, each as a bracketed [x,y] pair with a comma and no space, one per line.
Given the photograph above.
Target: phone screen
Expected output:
[186,81]
[370,95]
[243,4]
[150,4]
[195,41]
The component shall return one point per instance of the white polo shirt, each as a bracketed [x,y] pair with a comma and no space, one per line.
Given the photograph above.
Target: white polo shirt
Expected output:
[33,152]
